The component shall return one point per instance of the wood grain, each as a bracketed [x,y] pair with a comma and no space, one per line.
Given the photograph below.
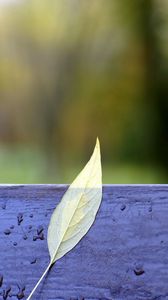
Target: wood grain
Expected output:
[123,256]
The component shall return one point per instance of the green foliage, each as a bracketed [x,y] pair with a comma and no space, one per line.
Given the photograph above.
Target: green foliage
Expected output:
[28,165]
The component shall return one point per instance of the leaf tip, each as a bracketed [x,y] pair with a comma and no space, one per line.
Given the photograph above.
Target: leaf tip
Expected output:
[97,143]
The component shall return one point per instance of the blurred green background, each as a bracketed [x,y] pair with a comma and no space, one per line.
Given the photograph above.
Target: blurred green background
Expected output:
[73,70]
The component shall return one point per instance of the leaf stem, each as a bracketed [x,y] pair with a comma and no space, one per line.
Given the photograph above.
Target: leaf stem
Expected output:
[41,278]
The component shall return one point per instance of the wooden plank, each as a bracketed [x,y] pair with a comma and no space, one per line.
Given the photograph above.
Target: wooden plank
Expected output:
[123,256]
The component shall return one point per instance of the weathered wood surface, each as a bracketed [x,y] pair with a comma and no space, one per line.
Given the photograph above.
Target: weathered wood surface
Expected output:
[123,256]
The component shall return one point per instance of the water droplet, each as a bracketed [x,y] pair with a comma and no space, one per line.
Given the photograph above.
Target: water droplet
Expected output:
[41,236]
[14,244]
[24,236]
[139,270]
[20,218]
[1,280]
[20,295]
[3,206]
[7,231]
[33,261]
[122,207]
[150,209]
[6,292]
[31,215]
[12,227]
[38,237]
[40,229]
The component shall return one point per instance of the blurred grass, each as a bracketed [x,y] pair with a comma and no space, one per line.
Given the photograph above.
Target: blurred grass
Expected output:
[28,165]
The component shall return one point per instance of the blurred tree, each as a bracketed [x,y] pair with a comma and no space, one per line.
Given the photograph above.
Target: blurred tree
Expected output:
[148,140]
[72,70]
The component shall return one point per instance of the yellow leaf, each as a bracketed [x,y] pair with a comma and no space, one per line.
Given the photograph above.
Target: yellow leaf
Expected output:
[77,210]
